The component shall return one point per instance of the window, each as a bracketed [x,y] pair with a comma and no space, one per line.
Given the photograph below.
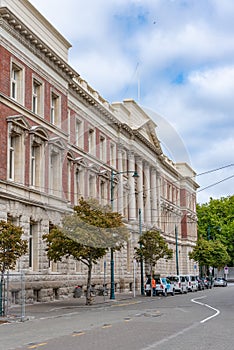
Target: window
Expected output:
[124,161]
[55,171]
[17,86]
[92,186]
[36,165]
[91,141]
[16,158]
[112,155]
[11,157]
[102,148]
[103,192]
[55,109]
[69,175]
[33,166]
[33,246]
[37,97]
[79,134]
[79,184]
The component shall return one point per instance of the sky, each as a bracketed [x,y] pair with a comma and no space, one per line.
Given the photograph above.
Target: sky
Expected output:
[174,58]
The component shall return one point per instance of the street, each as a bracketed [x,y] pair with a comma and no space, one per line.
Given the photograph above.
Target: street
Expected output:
[201,320]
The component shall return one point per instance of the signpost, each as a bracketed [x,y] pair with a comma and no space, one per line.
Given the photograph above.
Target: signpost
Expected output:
[225,272]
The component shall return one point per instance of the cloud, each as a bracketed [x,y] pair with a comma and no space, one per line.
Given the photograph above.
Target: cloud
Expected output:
[175,57]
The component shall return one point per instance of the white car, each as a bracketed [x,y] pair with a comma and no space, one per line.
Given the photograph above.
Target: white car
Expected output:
[192,283]
[180,283]
[164,286]
[220,282]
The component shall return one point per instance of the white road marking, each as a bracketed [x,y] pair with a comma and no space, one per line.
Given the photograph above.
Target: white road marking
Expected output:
[206,305]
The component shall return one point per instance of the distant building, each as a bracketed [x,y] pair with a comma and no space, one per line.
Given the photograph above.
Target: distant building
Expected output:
[60,140]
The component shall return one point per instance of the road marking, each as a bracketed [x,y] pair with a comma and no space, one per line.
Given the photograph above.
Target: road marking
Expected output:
[170,337]
[206,305]
[107,326]
[36,345]
[77,334]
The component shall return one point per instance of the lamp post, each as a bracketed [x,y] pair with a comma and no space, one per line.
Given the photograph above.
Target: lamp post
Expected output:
[141,260]
[177,258]
[113,174]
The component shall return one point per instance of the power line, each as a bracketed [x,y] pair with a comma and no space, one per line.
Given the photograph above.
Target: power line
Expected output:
[216,183]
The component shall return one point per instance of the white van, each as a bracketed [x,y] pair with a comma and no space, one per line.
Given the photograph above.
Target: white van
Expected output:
[192,283]
[180,283]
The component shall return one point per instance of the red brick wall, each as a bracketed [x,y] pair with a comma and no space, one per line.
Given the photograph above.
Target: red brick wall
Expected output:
[183,199]
[5,71]
[184,226]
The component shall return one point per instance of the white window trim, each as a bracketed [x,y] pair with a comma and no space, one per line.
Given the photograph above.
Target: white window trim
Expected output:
[20,88]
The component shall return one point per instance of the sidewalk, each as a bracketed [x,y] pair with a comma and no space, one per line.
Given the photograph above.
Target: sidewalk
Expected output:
[58,308]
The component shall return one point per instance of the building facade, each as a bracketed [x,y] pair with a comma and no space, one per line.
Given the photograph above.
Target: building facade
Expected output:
[60,141]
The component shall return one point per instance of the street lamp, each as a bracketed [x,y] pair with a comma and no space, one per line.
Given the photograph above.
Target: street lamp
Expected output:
[177,257]
[141,260]
[113,174]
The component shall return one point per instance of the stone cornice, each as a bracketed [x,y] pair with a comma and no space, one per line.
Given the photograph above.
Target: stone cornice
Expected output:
[22,33]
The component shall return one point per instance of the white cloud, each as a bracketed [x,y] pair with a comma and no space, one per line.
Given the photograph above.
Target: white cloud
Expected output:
[182,52]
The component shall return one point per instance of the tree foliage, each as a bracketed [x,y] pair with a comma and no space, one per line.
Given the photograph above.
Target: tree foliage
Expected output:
[210,253]
[152,247]
[12,246]
[86,235]
[216,222]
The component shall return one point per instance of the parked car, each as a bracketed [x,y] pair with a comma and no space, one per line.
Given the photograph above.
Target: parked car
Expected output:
[192,283]
[207,282]
[164,286]
[180,283]
[220,282]
[148,286]
[201,284]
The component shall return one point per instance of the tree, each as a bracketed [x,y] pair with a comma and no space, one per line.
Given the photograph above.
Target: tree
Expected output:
[209,253]
[216,222]
[12,247]
[86,235]
[152,247]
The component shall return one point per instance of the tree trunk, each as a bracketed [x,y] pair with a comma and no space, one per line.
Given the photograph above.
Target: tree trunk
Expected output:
[89,298]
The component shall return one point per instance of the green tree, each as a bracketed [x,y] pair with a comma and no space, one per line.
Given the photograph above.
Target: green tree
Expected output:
[202,252]
[209,253]
[87,235]
[216,222]
[12,247]
[152,247]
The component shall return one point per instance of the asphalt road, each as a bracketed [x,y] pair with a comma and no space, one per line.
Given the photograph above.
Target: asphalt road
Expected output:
[202,320]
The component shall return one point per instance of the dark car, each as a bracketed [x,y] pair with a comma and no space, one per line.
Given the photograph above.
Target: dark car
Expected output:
[201,284]
[207,282]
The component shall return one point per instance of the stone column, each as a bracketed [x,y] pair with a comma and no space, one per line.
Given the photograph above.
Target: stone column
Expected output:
[159,191]
[148,194]
[154,212]
[120,184]
[140,186]
[131,181]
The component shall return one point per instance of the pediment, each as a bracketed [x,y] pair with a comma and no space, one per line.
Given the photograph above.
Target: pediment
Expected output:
[20,121]
[40,132]
[147,131]
[81,161]
[57,142]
